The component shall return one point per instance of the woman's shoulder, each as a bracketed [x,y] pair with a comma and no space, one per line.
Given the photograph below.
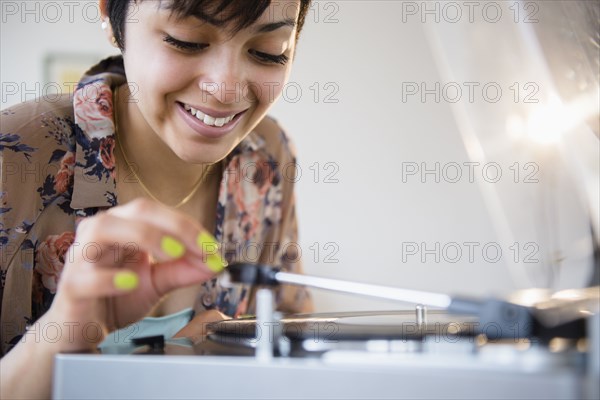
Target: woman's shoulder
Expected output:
[36,143]
[29,130]
[23,114]
[37,116]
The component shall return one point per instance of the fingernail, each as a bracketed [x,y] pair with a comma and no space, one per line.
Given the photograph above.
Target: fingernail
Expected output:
[209,246]
[207,242]
[215,263]
[126,280]
[172,247]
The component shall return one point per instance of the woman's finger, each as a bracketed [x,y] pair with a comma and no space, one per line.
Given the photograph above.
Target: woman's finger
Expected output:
[184,234]
[132,238]
[177,274]
[98,282]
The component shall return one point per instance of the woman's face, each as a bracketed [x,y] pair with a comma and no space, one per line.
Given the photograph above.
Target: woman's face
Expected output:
[197,87]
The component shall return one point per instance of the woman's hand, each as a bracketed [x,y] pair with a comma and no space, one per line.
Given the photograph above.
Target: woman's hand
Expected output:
[122,262]
[197,328]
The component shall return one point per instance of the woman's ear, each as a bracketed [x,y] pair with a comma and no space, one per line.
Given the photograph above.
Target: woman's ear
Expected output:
[106,27]
[103,10]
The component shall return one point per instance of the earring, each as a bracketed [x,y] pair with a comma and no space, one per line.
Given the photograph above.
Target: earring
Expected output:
[104,25]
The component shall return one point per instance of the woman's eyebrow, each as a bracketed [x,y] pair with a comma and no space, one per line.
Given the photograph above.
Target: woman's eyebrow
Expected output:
[270,27]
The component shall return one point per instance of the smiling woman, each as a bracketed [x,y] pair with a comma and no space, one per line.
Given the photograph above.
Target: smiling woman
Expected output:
[161,169]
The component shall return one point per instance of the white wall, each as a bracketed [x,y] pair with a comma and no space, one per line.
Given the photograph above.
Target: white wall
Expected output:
[364,52]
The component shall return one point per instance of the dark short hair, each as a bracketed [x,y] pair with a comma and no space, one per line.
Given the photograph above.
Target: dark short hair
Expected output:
[236,14]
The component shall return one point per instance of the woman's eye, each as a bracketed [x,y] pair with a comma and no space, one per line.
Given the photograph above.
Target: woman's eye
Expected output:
[270,58]
[185,46]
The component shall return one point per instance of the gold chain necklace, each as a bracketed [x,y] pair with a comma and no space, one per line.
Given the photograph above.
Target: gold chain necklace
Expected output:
[130,165]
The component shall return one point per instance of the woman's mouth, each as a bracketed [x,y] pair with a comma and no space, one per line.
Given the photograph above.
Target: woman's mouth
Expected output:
[209,119]
[209,123]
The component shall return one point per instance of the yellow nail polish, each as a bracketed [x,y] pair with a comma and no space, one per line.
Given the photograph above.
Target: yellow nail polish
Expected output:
[215,263]
[126,280]
[172,247]
[209,246]
[207,242]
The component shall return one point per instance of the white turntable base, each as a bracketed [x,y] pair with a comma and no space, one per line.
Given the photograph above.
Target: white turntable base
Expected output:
[343,376]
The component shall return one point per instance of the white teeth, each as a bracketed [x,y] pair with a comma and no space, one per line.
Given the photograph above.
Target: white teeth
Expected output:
[207,119]
[199,114]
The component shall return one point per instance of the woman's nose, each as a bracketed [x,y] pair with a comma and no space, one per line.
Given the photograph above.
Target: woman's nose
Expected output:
[224,81]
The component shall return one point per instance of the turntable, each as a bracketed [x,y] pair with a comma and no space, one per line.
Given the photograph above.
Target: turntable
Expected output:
[469,348]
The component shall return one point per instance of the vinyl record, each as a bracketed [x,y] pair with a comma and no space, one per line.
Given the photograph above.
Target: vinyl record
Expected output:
[374,325]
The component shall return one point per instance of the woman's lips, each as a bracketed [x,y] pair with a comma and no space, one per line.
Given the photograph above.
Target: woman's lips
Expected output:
[209,131]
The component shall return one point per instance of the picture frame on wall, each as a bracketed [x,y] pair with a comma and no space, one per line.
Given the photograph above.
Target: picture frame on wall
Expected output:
[62,71]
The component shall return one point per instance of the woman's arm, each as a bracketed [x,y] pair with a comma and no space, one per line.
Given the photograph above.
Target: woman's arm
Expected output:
[26,371]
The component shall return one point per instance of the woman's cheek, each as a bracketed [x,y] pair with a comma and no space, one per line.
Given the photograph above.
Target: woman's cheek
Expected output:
[271,86]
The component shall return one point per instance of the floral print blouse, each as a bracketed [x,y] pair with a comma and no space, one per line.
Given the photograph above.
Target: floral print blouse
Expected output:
[58,167]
